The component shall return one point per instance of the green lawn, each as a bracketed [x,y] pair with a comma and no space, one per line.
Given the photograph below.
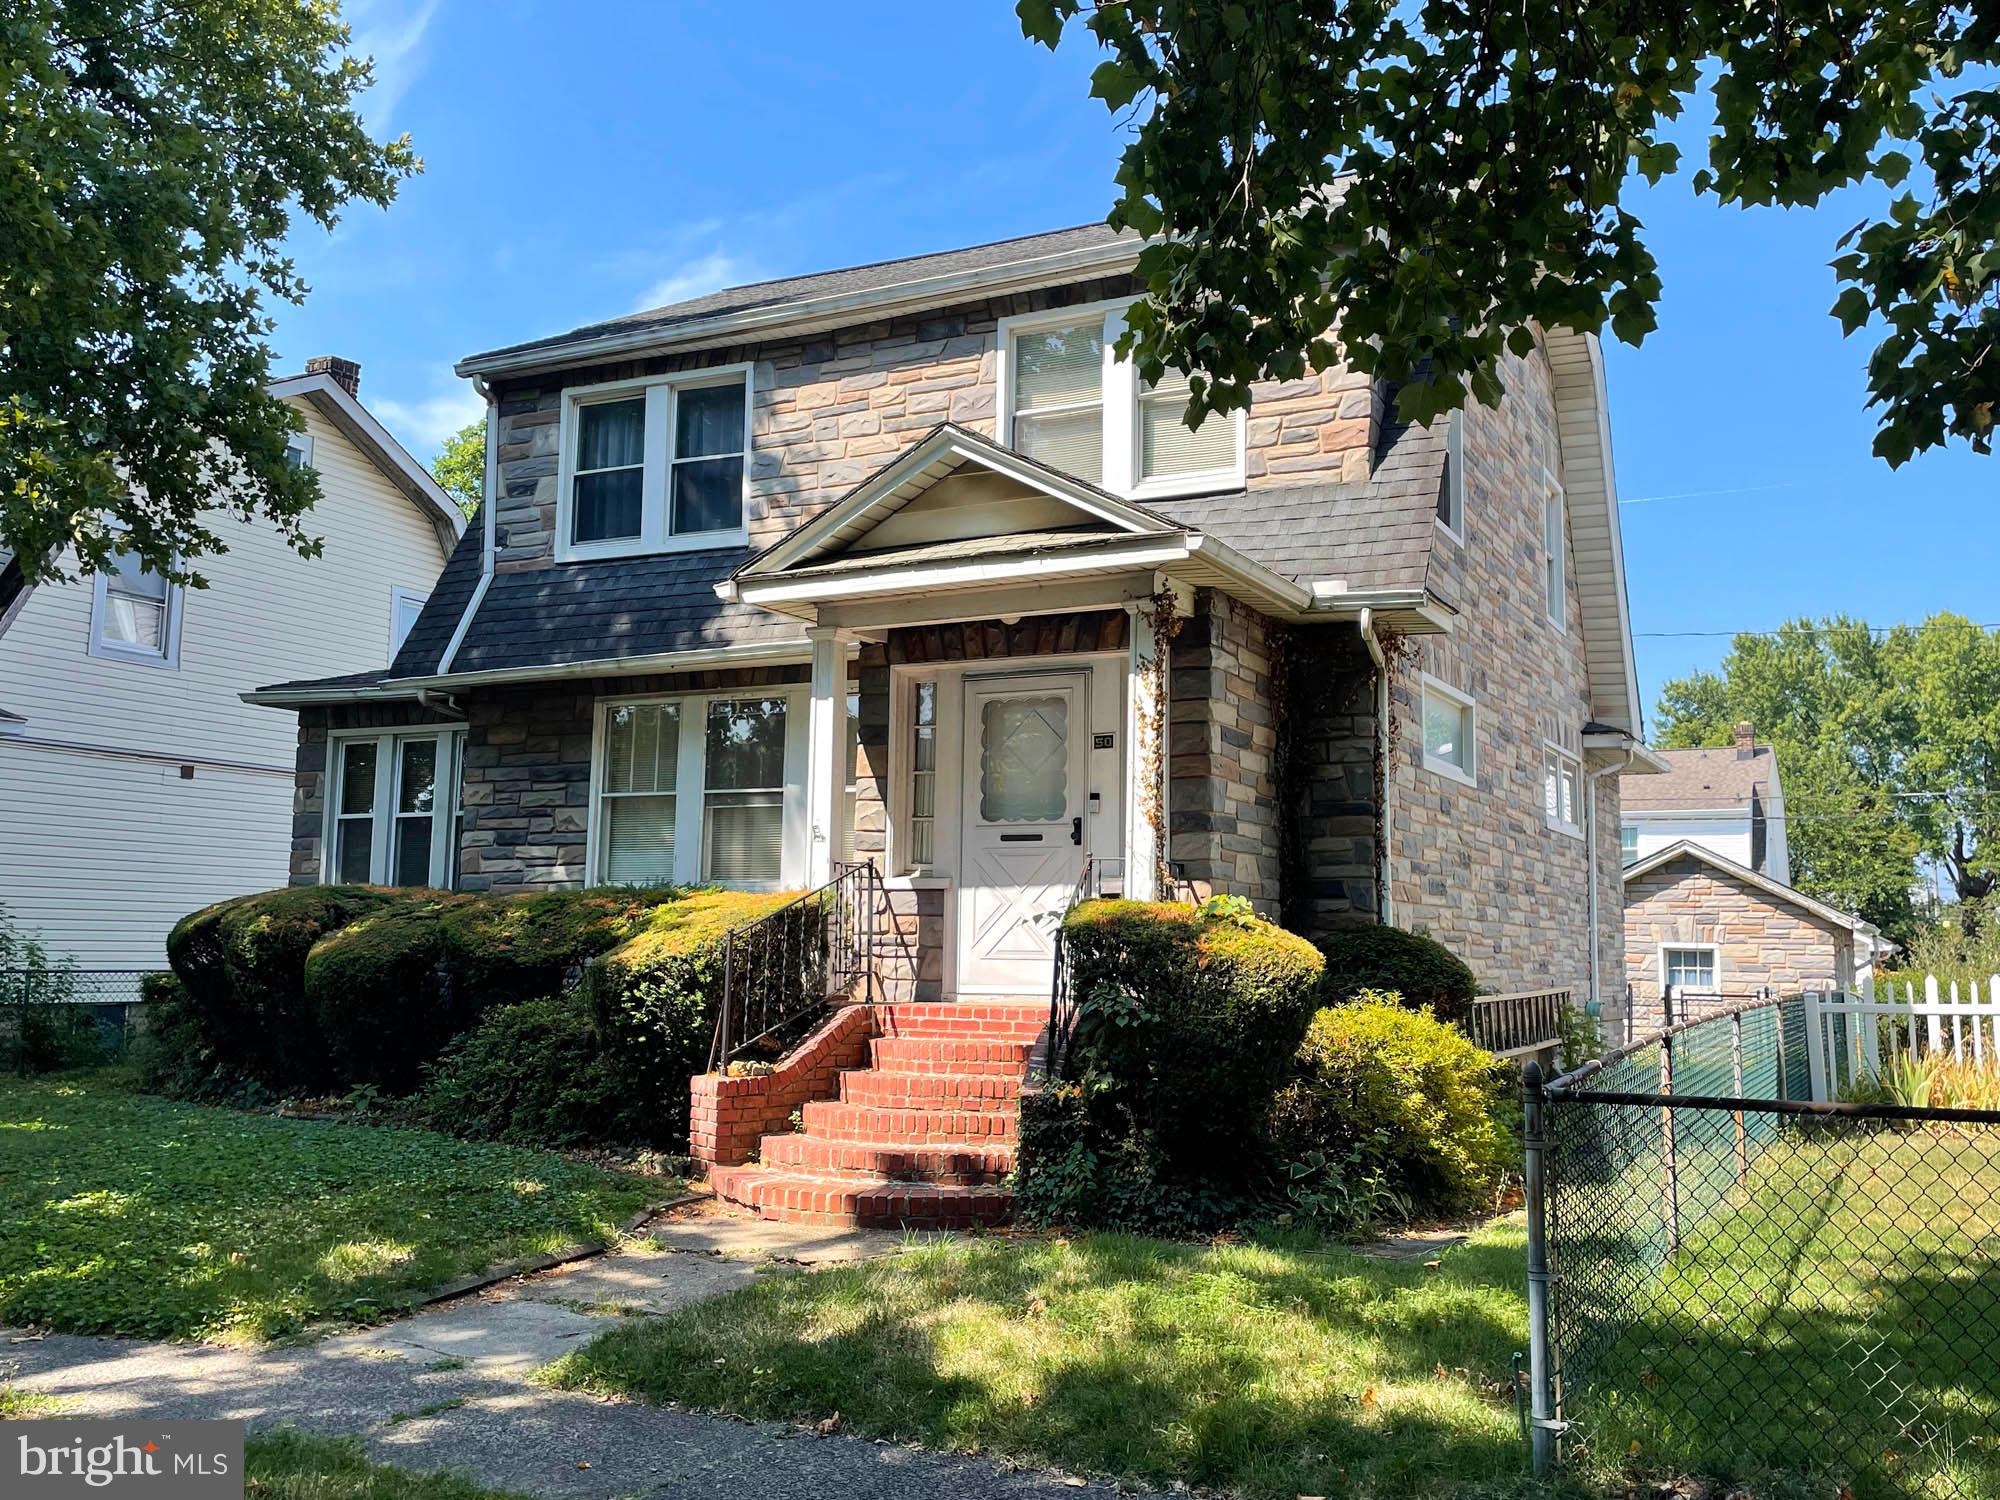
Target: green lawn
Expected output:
[1277,1370]
[1837,1328]
[123,1213]
[298,1466]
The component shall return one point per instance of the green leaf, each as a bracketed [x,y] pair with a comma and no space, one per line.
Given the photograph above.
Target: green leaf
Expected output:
[1851,308]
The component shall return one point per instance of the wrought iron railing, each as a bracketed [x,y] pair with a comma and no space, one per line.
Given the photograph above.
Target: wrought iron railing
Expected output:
[1515,1025]
[782,971]
[1090,884]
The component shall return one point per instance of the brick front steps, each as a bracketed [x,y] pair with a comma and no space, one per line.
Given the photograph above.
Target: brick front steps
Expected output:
[920,1138]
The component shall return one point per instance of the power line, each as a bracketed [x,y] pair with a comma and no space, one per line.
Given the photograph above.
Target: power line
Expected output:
[1798,627]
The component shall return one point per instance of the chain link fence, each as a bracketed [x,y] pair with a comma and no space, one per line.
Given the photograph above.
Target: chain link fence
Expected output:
[1734,1283]
[54,1015]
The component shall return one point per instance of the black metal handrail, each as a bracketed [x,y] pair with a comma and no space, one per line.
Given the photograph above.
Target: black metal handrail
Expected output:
[781,971]
[1062,999]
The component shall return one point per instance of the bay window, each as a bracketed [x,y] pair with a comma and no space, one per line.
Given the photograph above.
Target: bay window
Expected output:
[392,808]
[693,790]
[1068,401]
[654,465]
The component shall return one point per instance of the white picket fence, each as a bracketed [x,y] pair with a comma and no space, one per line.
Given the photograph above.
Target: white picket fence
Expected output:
[1845,1035]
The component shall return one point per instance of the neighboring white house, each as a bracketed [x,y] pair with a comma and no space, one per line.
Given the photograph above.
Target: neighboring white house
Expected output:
[135,785]
[1728,801]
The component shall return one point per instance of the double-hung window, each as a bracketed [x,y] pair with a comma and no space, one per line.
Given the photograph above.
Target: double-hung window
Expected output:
[392,808]
[1693,967]
[698,789]
[1450,732]
[135,614]
[1554,585]
[654,465]
[1561,789]
[1067,400]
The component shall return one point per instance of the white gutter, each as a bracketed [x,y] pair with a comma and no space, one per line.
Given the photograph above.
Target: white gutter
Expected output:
[768,322]
[1385,898]
[309,697]
[489,507]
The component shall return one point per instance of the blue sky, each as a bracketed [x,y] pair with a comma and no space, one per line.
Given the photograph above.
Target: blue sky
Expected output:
[585,160]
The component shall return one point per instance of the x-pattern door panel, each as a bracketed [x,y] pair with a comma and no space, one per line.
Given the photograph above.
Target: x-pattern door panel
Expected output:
[1026,740]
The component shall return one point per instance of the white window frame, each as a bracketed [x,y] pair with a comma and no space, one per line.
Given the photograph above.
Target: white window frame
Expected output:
[656,481]
[1555,758]
[1454,478]
[901,801]
[1714,952]
[106,649]
[300,443]
[398,597]
[1469,773]
[691,782]
[388,768]
[1628,855]
[1555,565]
[1120,391]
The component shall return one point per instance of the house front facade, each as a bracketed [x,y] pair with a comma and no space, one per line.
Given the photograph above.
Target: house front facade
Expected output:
[904,564]
[135,785]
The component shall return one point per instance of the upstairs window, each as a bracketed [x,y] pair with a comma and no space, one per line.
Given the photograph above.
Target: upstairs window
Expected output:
[654,465]
[1451,486]
[1554,583]
[1450,732]
[135,615]
[1628,843]
[404,607]
[1561,784]
[1068,401]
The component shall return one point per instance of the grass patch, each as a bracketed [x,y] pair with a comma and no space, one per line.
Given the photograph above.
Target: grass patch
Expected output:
[1275,1369]
[130,1214]
[1835,1329]
[299,1466]
[17,1405]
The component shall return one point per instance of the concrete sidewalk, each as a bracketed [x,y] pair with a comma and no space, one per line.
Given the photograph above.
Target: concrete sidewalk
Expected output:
[446,1387]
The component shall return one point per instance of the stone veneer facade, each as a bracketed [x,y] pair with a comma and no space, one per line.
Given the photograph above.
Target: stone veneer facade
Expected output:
[1761,939]
[829,410]
[1277,790]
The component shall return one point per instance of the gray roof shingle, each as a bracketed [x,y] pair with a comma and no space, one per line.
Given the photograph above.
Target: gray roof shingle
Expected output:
[1703,779]
[880,274]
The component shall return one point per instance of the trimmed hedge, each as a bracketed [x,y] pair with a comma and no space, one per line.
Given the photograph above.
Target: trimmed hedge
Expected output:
[1395,1095]
[533,1074]
[390,990]
[1421,971]
[1187,1021]
[243,962]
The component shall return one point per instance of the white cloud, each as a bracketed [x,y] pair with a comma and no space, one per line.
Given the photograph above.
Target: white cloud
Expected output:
[696,278]
[423,425]
[392,34]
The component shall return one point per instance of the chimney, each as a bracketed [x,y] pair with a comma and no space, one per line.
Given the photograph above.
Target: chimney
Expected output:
[344,373]
[1746,739]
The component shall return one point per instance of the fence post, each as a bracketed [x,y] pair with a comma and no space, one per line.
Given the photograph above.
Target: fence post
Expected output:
[1736,1075]
[1670,1172]
[1816,1058]
[1543,1424]
[1784,1090]
[1935,1027]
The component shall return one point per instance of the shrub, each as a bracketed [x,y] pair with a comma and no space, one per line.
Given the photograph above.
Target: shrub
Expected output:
[653,999]
[172,1053]
[43,1026]
[243,963]
[1387,960]
[390,990]
[1383,1089]
[535,1074]
[1186,1025]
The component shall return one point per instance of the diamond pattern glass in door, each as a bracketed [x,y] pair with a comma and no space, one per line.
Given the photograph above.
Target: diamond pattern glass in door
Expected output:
[1020,847]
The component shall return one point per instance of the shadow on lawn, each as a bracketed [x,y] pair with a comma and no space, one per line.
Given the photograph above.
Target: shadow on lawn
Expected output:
[1265,1370]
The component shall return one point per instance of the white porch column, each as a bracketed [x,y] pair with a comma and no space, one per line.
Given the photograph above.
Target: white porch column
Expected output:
[826,754]
[1145,759]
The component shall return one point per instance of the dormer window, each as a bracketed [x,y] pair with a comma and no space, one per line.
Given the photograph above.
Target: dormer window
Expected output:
[656,465]
[1067,400]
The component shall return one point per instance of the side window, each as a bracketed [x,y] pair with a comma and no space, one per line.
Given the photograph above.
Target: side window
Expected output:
[404,607]
[135,615]
[1451,488]
[1554,591]
[1450,733]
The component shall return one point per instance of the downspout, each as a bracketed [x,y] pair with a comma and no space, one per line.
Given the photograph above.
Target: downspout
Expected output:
[1385,897]
[1590,780]
[489,488]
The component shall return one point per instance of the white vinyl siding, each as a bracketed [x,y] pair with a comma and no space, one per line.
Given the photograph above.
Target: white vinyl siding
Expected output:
[1068,401]
[140,846]
[699,789]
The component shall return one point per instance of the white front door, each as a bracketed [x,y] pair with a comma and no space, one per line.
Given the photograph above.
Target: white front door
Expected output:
[1027,739]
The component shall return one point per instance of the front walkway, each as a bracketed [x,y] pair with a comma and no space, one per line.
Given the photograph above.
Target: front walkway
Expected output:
[447,1388]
